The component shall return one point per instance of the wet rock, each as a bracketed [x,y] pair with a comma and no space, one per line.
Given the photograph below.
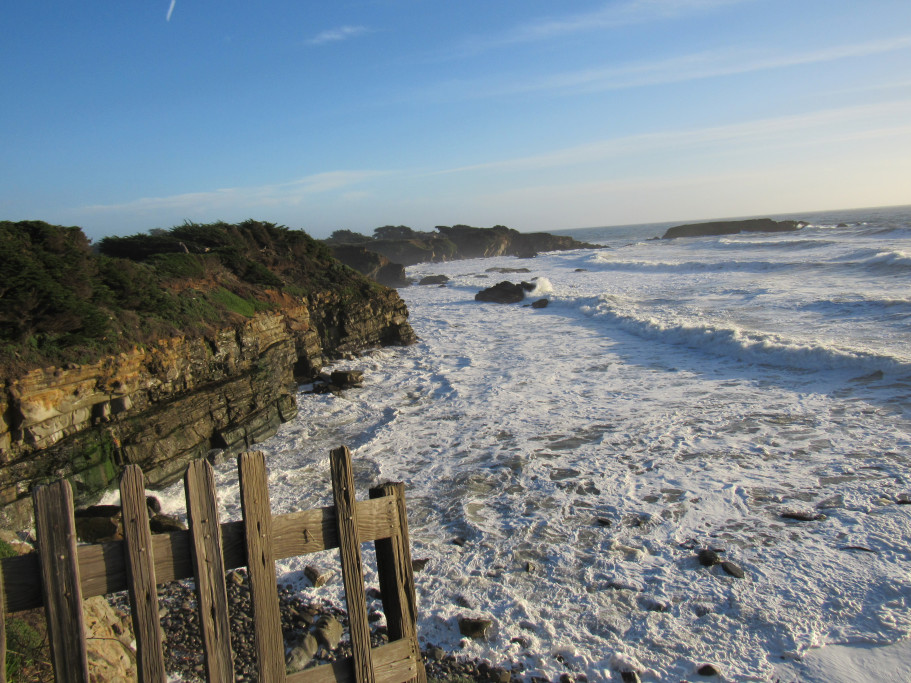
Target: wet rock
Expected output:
[434,280]
[99,523]
[540,303]
[345,379]
[328,632]
[317,576]
[418,565]
[708,557]
[436,653]
[733,569]
[504,292]
[630,677]
[708,670]
[507,270]
[164,524]
[154,505]
[472,627]
[300,652]
[802,515]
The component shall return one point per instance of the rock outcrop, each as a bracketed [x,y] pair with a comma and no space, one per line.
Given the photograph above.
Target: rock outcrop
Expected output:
[448,244]
[374,265]
[732,228]
[164,403]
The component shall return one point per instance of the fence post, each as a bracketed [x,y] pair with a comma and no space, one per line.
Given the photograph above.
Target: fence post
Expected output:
[254,498]
[140,566]
[209,568]
[352,568]
[56,530]
[396,574]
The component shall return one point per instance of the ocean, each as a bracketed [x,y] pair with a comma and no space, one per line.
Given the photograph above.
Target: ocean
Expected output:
[674,395]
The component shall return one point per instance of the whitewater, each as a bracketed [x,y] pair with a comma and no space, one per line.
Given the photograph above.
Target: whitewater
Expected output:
[564,465]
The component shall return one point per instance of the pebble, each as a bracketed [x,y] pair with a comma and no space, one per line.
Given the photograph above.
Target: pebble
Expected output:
[733,569]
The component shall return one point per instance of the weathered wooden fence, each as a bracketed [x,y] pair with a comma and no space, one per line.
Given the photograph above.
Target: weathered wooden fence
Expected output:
[61,574]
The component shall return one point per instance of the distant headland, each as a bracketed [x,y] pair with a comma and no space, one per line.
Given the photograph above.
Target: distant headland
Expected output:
[715,228]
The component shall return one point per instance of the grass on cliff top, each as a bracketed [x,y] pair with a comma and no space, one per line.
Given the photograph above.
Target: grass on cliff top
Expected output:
[63,300]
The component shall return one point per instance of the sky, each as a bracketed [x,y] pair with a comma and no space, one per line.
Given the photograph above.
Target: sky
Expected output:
[120,117]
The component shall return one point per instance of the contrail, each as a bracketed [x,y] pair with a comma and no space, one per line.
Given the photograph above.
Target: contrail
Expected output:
[171,10]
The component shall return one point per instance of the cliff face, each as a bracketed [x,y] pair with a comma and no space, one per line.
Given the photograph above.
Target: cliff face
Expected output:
[162,406]
[163,403]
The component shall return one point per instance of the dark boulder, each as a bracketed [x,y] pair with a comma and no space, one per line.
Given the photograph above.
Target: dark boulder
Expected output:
[434,280]
[540,303]
[345,379]
[504,292]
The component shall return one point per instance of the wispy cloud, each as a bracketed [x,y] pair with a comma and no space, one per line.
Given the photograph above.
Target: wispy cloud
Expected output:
[611,15]
[291,193]
[678,69]
[832,125]
[336,35]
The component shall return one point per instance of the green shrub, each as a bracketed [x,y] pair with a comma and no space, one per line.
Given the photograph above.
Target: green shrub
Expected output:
[233,303]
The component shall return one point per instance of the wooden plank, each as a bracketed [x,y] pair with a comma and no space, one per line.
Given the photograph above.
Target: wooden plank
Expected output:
[352,567]
[209,570]
[140,567]
[254,496]
[102,566]
[394,662]
[393,563]
[56,533]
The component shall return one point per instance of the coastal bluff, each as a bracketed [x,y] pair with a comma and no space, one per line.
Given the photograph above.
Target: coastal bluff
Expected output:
[715,228]
[158,349]
[385,255]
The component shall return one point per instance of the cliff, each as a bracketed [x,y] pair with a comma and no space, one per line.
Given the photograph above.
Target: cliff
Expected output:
[251,310]
[402,246]
[731,228]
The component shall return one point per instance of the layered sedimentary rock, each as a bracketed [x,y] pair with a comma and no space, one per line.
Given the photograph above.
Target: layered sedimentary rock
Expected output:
[165,404]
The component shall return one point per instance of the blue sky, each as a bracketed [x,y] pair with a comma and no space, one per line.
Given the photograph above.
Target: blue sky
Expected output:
[123,116]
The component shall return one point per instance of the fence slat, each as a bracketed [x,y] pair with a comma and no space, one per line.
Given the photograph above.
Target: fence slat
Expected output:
[102,567]
[209,569]
[254,495]
[352,568]
[56,532]
[393,663]
[140,566]
[393,564]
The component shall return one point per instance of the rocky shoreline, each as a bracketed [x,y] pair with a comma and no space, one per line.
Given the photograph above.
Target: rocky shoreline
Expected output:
[316,630]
